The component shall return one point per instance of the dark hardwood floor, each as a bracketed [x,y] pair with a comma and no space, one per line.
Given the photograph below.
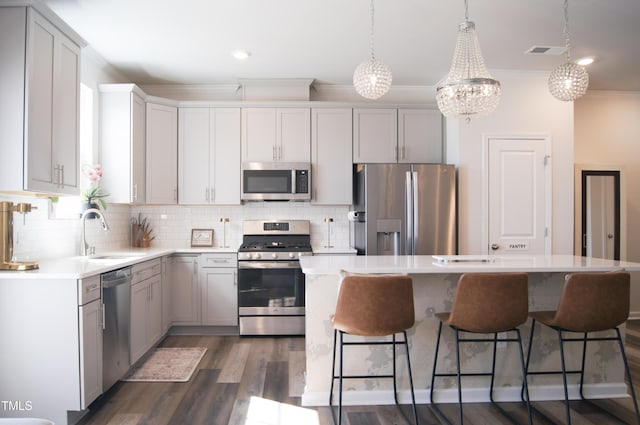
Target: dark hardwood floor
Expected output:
[271,370]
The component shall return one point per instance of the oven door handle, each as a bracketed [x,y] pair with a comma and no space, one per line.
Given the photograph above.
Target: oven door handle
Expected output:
[268,264]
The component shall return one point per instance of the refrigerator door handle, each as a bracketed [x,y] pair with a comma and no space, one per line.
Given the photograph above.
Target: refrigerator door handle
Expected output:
[408,211]
[415,225]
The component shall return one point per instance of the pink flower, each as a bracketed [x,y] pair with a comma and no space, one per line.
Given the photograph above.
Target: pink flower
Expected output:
[93,174]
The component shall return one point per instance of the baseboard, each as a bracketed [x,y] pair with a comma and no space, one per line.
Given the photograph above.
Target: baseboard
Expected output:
[469,395]
[634,315]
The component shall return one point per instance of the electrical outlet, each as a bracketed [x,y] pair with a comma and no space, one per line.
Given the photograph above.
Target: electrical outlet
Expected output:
[502,344]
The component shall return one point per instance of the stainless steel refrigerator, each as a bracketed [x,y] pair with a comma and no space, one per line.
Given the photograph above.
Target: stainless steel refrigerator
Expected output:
[405,209]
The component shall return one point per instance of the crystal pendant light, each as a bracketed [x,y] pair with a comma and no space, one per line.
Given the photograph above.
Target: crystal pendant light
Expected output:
[568,81]
[372,78]
[468,89]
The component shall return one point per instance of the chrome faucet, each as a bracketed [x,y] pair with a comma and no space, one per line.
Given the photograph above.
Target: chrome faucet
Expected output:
[83,219]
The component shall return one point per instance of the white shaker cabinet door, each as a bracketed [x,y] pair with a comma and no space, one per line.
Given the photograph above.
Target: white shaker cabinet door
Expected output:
[225,149]
[193,156]
[161,158]
[375,136]
[331,156]
[53,84]
[419,136]
[259,141]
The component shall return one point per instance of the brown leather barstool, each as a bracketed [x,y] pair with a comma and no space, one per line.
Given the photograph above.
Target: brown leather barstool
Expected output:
[372,306]
[487,303]
[590,302]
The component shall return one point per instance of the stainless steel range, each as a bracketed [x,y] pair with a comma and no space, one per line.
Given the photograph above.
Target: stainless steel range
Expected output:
[270,281]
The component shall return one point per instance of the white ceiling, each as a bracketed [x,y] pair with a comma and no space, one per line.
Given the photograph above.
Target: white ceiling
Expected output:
[190,41]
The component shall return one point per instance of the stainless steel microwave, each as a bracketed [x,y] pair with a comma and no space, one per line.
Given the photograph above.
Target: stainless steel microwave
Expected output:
[276,181]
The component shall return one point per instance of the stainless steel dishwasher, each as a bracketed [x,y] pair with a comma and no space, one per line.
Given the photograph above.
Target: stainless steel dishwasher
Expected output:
[116,299]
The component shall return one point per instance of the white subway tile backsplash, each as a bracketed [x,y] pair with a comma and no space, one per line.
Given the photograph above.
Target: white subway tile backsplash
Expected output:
[39,237]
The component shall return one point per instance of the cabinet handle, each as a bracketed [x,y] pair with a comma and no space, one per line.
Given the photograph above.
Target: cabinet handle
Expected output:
[403,153]
[395,153]
[61,175]
[135,192]
[273,153]
[279,152]
[213,194]
[103,315]
[206,193]
[175,194]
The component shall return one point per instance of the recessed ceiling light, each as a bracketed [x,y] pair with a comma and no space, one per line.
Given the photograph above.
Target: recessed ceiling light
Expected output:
[240,54]
[585,61]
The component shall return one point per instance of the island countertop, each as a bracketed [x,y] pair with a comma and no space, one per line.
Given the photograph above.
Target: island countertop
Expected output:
[427,264]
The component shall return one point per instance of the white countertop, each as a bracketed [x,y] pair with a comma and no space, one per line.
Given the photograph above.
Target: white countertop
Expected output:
[421,264]
[80,267]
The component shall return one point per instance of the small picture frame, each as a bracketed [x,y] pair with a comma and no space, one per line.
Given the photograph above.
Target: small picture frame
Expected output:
[201,237]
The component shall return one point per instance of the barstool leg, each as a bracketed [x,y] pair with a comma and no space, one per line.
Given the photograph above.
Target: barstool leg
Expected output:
[413,396]
[564,379]
[435,363]
[493,366]
[584,360]
[333,368]
[459,376]
[340,381]
[626,368]
[526,367]
[395,387]
[524,376]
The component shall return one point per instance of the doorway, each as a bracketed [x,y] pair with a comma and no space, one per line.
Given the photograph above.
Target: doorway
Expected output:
[600,214]
[518,195]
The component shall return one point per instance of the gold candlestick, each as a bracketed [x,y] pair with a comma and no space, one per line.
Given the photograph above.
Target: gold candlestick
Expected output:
[224,221]
[328,220]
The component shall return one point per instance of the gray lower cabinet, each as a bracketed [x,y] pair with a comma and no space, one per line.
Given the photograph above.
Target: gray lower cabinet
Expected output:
[219,286]
[185,294]
[146,307]
[204,289]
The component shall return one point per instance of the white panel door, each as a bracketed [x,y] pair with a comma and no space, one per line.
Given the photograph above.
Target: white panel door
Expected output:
[519,205]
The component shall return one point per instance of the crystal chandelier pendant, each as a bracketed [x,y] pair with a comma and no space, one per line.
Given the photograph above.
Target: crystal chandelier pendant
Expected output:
[468,89]
[569,81]
[372,78]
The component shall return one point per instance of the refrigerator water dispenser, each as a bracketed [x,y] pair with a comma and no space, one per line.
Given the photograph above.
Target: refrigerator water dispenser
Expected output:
[389,236]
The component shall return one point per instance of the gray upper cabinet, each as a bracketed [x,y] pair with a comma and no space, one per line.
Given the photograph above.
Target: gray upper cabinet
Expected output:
[397,136]
[331,162]
[40,86]
[419,136]
[122,142]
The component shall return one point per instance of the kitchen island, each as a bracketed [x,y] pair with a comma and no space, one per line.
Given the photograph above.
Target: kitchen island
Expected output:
[434,286]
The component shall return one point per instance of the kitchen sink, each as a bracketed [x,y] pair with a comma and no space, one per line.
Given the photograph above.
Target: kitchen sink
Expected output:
[114,257]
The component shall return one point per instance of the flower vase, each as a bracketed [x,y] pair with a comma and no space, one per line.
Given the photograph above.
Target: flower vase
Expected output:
[88,205]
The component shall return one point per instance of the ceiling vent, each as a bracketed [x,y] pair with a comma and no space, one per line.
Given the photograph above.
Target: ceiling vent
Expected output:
[546,50]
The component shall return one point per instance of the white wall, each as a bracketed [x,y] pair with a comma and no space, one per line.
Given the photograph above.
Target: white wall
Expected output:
[607,132]
[526,107]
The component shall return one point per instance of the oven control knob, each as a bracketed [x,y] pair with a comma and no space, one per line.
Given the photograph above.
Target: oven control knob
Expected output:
[257,256]
[274,255]
[291,255]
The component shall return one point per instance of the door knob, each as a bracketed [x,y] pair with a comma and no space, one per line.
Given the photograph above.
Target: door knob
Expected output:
[495,246]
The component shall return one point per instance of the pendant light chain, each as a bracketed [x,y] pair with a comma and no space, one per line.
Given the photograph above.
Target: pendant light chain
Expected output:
[568,81]
[372,78]
[371,34]
[567,40]
[466,10]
